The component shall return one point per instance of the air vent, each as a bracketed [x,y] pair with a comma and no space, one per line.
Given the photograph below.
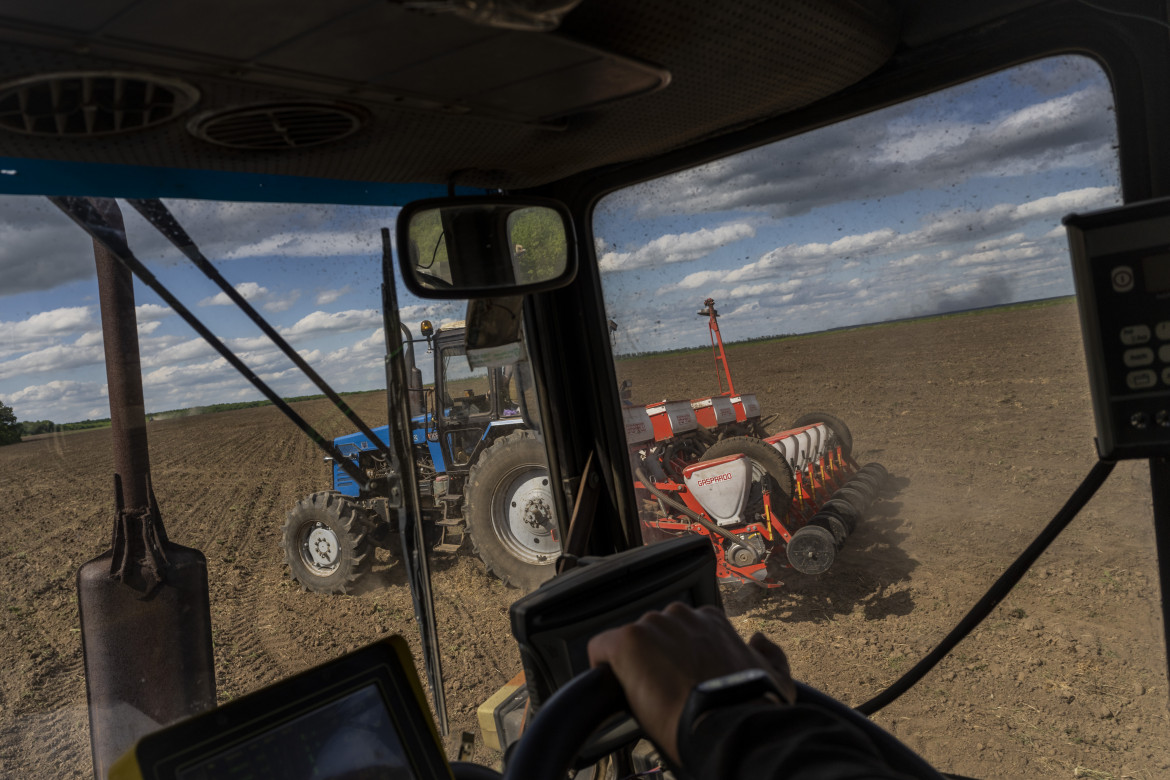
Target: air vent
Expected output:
[82,104]
[277,126]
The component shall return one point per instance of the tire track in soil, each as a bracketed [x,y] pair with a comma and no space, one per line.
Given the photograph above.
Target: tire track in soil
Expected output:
[56,514]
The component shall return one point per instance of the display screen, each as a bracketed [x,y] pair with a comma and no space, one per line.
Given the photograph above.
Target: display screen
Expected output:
[1156,270]
[351,738]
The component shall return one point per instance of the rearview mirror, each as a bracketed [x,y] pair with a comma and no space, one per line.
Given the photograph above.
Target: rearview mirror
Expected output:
[485,246]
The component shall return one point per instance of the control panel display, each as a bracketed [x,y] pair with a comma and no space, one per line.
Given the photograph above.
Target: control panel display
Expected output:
[360,716]
[352,737]
[1121,266]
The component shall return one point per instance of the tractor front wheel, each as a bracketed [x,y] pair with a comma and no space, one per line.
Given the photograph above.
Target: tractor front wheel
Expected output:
[508,511]
[326,543]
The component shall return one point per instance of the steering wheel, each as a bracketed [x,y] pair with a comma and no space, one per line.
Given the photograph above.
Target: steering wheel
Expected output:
[557,733]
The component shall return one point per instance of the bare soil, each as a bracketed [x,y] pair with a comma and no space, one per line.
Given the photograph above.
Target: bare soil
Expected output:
[983,420]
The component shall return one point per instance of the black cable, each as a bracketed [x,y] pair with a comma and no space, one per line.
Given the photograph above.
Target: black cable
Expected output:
[998,590]
[160,217]
[1126,14]
[85,213]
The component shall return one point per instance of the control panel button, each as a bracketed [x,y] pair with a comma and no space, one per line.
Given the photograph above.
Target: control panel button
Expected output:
[1142,356]
[1122,279]
[1166,376]
[1141,380]
[1162,418]
[1139,420]
[1162,331]
[1135,334]
[1164,353]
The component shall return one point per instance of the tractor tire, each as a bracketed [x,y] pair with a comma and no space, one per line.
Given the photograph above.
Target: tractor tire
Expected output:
[812,550]
[327,543]
[769,469]
[509,514]
[833,524]
[859,500]
[835,424]
[877,469]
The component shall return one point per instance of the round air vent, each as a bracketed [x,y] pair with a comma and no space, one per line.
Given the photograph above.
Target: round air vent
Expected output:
[81,104]
[277,126]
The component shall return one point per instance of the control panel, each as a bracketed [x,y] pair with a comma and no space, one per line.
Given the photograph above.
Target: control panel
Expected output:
[1121,268]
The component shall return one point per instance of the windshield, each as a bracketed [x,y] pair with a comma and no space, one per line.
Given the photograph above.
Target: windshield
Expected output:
[464,386]
[901,281]
[234,478]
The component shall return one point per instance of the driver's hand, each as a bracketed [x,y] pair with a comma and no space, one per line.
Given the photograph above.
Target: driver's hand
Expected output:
[662,656]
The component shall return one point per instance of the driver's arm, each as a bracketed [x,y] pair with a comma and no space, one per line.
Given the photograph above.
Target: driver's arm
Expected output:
[662,657]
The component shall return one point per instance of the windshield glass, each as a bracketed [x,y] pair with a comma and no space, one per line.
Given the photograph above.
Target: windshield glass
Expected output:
[896,289]
[290,586]
[465,386]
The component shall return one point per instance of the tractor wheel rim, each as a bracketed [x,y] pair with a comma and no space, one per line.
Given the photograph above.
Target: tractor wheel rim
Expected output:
[523,518]
[320,550]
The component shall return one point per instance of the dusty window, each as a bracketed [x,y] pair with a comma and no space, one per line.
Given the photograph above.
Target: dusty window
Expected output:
[901,280]
[231,473]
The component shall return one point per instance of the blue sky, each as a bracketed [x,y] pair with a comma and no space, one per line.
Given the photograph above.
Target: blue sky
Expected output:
[947,202]
[313,271]
[943,203]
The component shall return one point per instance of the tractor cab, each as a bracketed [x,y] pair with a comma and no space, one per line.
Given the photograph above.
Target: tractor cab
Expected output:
[468,400]
[918,434]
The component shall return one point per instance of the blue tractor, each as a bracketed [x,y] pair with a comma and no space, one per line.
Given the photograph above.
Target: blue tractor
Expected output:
[481,471]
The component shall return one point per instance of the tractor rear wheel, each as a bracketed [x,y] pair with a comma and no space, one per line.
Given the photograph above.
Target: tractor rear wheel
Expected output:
[509,514]
[326,543]
[835,424]
[769,472]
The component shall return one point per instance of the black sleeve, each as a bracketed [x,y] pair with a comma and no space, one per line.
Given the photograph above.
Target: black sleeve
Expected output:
[761,741]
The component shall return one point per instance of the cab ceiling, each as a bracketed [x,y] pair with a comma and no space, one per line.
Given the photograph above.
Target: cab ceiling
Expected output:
[439,99]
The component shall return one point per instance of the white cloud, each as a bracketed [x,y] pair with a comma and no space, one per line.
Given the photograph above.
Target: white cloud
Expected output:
[59,401]
[276,304]
[994,243]
[319,323]
[939,228]
[57,358]
[256,294]
[313,244]
[903,262]
[176,353]
[676,247]
[249,291]
[149,312]
[44,328]
[993,256]
[326,297]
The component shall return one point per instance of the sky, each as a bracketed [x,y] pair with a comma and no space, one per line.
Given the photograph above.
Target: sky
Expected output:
[314,272]
[945,203]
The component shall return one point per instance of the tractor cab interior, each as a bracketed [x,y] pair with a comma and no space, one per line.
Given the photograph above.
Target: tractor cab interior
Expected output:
[851,317]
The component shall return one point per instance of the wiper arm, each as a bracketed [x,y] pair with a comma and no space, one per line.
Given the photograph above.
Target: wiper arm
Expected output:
[85,213]
[161,218]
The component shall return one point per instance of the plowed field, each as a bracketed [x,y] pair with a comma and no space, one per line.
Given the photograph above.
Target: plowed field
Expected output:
[983,421]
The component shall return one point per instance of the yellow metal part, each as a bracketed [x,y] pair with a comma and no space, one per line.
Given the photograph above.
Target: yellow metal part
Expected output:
[487,712]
